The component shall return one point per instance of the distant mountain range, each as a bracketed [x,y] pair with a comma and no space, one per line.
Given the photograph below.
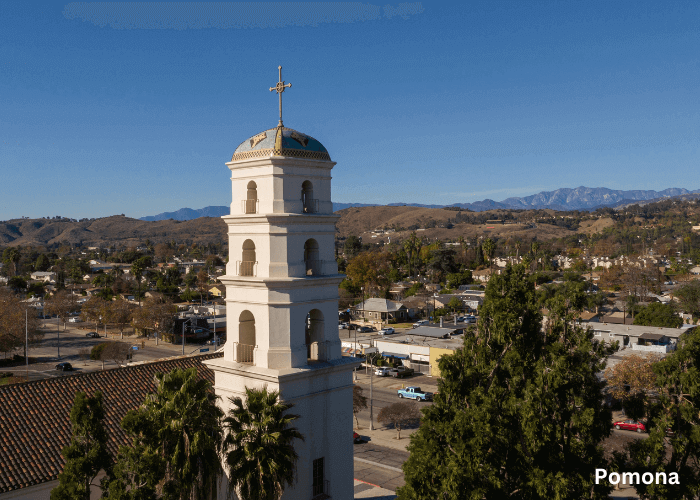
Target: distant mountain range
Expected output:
[580,198]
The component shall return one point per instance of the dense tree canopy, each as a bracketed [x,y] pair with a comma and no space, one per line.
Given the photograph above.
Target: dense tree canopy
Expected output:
[658,314]
[519,411]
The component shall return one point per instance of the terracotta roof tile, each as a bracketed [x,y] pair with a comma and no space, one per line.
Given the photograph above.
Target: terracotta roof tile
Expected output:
[35,416]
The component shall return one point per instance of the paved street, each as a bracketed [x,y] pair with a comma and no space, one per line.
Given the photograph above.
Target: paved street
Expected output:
[71,341]
[378,460]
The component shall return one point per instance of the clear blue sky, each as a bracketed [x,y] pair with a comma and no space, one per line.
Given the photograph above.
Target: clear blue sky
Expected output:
[109,108]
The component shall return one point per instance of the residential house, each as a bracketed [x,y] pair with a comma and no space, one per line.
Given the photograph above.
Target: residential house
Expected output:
[380,309]
[44,276]
[218,291]
[415,305]
[483,275]
[642,338]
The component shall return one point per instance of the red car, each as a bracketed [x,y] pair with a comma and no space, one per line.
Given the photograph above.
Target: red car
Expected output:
[630,425]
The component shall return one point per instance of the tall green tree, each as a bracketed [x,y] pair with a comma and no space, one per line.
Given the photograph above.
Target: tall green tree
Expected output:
[86,456]
[519,410]
[688,297]
[489,247]
[678,389]
[259,445]
[658,314]
[178,432]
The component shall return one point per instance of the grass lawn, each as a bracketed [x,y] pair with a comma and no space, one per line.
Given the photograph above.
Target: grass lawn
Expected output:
[402,325]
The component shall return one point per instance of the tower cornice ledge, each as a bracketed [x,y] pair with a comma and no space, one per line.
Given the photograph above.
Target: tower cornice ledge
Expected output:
[283,375]
[281,161]
[284,218]
[282,282]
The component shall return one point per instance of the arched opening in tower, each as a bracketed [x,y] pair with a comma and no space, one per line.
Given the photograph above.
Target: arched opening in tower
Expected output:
[315,344]
[251,201]
[248,261]
[307,198]
[311,260]
[246,337]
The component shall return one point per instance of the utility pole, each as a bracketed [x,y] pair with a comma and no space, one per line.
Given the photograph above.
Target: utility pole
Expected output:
[26,341]
[183,336]
[216,343]
[371,407]
[58,338]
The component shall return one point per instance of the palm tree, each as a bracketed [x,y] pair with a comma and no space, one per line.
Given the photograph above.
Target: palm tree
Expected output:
[258,447]
[177,437]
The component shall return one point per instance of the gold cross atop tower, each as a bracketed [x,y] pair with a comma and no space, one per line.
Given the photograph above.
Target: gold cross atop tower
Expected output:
[280,88]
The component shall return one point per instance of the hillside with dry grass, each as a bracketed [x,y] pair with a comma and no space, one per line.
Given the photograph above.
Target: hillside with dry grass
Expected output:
[366,222]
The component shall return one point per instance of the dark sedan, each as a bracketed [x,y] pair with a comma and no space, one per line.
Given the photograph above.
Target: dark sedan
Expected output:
[93,335]
[64,367]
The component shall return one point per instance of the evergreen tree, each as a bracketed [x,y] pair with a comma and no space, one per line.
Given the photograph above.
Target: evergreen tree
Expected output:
[673,445]
[658,314]
[519,410]
[87,453]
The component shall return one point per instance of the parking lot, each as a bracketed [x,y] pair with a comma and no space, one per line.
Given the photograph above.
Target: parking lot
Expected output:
[65,344]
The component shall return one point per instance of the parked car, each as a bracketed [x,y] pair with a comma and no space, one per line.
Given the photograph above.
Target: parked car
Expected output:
[64,367]
[343,326]
[470,319]
[381,371]
[93,335]
[401,372]
[74,320]
[415,393]
[460,319]
[386,331]
[364,329]
[356,438]
[630,425]
[420,322]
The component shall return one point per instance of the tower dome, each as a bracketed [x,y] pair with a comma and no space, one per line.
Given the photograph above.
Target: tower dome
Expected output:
[281,141]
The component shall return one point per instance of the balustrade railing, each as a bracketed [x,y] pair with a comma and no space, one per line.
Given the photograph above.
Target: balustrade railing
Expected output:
[313,267]
[310,206]
[245,353]
[321,490]
[249,206]
[246,268]
[317,351]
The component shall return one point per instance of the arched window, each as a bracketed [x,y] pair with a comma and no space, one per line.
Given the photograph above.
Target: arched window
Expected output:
[311,260]
[246,337]
[307,198]
[247,266]
[250,204]
[315,344]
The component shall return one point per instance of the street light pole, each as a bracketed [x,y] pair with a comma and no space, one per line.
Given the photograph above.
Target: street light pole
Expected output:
[216,344]
[58,338]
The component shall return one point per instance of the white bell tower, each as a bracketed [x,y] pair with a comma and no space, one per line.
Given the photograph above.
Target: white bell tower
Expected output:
[282,301]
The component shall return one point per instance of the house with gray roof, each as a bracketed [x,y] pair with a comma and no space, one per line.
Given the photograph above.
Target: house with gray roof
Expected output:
[380,309]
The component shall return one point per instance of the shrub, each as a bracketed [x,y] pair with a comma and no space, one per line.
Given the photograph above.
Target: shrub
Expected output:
[96,352]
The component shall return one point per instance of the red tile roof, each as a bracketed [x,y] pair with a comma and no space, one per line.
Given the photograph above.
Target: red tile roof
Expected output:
[35,416]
